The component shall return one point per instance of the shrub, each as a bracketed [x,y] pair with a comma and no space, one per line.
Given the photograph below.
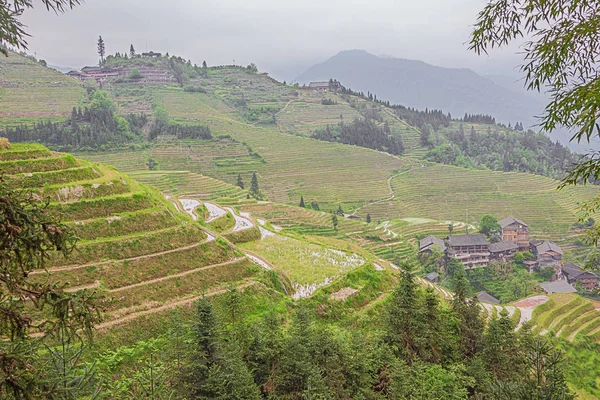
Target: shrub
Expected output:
[135,74]
[195,89]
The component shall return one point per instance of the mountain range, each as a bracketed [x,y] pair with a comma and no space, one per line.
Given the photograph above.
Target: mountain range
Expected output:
[417,84]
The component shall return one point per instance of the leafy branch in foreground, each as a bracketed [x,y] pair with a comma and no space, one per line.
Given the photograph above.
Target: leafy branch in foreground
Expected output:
[561,56]
[12,30]
[29,235]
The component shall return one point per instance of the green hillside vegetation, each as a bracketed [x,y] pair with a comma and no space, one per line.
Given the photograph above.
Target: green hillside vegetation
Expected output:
[134,246]
[31,93]
[485,146]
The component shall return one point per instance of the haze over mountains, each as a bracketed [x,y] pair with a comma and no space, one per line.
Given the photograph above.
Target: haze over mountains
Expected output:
[421,85]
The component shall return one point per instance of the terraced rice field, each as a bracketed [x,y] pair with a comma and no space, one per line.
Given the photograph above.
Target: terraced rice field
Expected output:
[446,193]
[135,247]
[30,93]
[568,316]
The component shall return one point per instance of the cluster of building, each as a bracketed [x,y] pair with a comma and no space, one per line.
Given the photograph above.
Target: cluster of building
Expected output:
[475,251]
[324,86]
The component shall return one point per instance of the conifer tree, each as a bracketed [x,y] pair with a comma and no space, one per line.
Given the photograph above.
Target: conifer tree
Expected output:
[315,206]
[204,65]
[469,314]
[334,221]
[240,182]
[339,211]
[368,218]
[301,202]
[254,188]
[131,51]
[101,49]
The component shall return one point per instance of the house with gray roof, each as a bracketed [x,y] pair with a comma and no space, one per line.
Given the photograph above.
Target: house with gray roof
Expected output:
[471,250]
[429,243]
[548,254]
[514,230]
[504,250]
[485,297]
[574,274]
[557,287]
[433,277]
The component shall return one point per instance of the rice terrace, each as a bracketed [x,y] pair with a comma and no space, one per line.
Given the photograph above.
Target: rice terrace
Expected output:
[371,228]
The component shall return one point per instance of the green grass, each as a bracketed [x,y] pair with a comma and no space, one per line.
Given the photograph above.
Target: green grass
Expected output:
[302,262]
[31,93]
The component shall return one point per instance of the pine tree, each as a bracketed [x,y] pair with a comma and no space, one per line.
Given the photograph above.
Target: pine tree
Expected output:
[101,49]
[301,202]
[368,218]
[254,188]
[339,211]
[240,182]
[469,314]
[404,325]
[204,65]
[315,206]
[334,221]
[131,51]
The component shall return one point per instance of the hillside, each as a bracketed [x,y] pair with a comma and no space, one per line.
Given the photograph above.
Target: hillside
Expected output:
[418,84]
[30,92]
[134,246]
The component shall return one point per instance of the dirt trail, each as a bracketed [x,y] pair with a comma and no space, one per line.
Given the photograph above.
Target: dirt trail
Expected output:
[151,255]
[184,273]
[391,189]
[169,306]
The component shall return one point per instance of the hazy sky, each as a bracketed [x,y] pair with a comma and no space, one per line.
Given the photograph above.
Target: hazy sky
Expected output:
[282,37]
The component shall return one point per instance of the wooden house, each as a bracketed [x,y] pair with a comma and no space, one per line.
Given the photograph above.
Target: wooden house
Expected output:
[429,243]
[573,274]
[504,250]
[471,250]
[548,254]
[514,230]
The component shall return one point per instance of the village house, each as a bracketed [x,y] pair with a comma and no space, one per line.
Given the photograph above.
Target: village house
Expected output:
[548,254]
[151,54]
[429,243]
[503,251]
[557,287]
[514,230]
[485,297]
[471,250]
[573,274]
[433,277]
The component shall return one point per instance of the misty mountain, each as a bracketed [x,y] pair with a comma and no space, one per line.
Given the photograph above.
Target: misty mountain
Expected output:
[421,85]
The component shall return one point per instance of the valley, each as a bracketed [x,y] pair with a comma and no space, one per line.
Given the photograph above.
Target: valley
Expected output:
[164,221]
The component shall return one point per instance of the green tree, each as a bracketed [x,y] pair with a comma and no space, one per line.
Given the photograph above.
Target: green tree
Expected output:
[404,324]
[12,30]
[301,202]
[339,211]
[135,74]
[131,51]
[488,225]
[501,350]
[29,234]
[101,49]
[560,59]
[315,206]
[470,323]
[450,228]
[368,218]
[254,188]
[240,182]
[152,164]
[334,221]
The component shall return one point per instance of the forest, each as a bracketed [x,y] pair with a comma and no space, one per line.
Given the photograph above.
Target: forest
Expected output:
[418,347]
[363,132]
[501,150]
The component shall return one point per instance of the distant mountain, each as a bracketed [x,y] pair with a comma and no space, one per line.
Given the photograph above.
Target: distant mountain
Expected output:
[421,85]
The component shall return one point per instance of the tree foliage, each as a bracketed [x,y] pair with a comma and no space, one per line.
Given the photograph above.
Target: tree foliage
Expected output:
[12,30]
[30,234]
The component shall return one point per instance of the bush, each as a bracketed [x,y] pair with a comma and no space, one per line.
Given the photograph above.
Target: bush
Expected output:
[135,74]
[195,89]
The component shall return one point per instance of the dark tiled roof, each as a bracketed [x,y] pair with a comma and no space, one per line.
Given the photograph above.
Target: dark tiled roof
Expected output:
[547,246]
[432,276]
[557,287]
[509,221]
[487,298]
[573,271]
[429,241]
[504,245]
[467,240]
